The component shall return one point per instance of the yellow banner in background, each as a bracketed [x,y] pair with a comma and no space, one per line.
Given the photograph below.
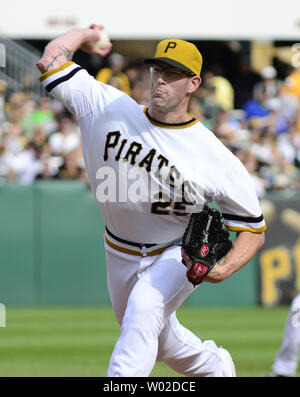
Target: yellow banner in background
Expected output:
[279,260]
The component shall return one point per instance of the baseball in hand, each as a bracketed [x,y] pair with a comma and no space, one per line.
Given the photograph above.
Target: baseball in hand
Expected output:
[104,40]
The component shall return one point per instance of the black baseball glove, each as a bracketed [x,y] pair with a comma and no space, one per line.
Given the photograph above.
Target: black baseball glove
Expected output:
[205,242]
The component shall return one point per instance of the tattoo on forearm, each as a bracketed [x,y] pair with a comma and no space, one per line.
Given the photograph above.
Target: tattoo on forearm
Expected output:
[64,52]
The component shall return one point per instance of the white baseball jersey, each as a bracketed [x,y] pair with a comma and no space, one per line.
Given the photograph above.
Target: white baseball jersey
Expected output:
[147,175]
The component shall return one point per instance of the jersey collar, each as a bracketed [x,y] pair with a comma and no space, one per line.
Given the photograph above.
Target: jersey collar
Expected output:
[169,125]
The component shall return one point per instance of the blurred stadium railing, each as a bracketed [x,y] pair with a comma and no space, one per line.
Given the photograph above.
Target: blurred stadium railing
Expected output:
[17,67]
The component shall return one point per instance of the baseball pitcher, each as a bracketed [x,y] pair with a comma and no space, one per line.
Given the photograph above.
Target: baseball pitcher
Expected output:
[154,171]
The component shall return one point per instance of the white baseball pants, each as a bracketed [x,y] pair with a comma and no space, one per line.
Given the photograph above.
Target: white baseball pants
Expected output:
[286,361]
[145,293]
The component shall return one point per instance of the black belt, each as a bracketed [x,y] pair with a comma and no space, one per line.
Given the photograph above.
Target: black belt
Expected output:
[138,245]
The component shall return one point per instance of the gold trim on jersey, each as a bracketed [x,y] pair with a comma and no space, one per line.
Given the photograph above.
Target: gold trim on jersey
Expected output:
[132,252]
[53,71]
[246,229]
[170,125]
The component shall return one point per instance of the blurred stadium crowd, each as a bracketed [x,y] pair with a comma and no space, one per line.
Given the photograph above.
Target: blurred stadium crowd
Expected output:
[39,139]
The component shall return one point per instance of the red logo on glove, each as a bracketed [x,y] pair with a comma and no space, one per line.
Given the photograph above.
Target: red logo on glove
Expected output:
[197,272]
[204,250]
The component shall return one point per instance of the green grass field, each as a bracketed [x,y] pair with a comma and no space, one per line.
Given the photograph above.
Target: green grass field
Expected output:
[77,342]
